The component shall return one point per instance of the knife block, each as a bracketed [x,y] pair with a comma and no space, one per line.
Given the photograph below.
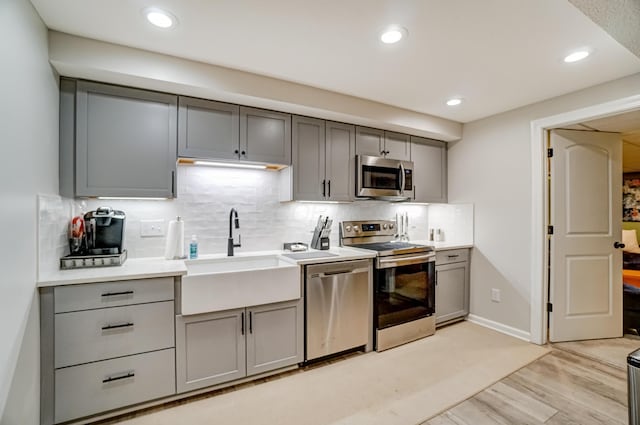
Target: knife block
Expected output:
[319,243]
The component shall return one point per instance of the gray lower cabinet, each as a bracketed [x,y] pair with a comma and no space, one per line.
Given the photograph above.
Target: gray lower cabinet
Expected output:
[452,285]
[219,347]
[429,170]
[387,144]
[208,129]
[323,160]
[104,346]
[116,141]
[265,136]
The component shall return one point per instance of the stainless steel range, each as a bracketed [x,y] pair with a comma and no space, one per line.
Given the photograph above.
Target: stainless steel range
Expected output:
[404,281]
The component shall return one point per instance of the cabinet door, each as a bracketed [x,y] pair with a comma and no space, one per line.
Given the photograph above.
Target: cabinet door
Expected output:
[397,146]
[265,136]
[210,349]
[208,129]
[340,161]
[369,141]
[452,292]
[429,170]
[275,336]
[309,183]
[125,141]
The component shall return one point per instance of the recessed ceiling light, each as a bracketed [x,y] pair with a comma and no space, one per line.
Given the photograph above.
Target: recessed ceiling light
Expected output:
[160,18]
[576,56]
[393,34]
[454,101]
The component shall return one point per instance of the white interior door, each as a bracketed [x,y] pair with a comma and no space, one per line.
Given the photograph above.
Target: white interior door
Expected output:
[586,215]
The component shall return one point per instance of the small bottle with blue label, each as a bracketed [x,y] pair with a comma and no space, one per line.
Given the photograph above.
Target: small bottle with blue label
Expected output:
[193,248]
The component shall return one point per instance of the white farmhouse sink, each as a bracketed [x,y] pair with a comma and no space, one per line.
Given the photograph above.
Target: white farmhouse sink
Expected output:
[237,282]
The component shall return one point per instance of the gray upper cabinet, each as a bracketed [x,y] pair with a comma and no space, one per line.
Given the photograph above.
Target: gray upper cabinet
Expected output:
[208,129]
[369,141]
[340,161]
[125,140]
[308,147]
[387,144]
[323,160]
[397,146]
[265,136]
[429,170]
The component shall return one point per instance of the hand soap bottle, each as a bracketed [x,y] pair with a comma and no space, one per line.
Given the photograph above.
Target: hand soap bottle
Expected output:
[193,248]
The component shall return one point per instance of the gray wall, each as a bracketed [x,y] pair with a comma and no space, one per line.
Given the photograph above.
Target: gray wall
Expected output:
[29,137]
[491,168]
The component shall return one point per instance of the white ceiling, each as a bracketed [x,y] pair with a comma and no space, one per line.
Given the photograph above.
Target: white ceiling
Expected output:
[496,54]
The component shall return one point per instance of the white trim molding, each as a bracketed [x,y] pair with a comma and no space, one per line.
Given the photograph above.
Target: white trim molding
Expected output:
[499,327]
[539,279]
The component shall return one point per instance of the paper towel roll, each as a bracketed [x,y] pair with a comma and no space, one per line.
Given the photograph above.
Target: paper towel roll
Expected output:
[174,247]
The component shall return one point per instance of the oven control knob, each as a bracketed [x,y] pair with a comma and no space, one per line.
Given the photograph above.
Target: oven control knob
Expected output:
[348,228]
[391,226]
[384,226]
[356,229]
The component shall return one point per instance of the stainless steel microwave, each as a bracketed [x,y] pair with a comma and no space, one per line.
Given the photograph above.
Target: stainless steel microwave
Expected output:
[383,178]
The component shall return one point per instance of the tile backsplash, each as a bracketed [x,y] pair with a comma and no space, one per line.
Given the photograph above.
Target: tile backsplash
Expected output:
[205,197]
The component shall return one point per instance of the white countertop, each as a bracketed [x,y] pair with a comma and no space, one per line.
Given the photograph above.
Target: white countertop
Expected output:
[141,268]
[442,246]
[133,268]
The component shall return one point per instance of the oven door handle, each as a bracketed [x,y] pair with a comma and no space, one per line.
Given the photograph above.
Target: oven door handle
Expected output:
[385,263]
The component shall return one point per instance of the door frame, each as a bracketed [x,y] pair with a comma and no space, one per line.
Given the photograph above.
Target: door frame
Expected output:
[540,203]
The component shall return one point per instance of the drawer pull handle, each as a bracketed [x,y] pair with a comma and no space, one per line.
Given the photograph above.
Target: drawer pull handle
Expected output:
[115,294]
[117,378]
[122,325]
[453,256]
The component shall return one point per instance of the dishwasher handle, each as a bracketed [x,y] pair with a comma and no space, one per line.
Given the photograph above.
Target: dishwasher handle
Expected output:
[338,272]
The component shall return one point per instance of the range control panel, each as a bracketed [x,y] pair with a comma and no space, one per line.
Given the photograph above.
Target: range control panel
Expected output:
[350,229]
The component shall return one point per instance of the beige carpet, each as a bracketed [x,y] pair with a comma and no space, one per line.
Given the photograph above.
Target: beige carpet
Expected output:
[405,385]
[611,351]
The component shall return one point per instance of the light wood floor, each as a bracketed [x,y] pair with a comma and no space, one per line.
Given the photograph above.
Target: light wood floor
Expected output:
[560,388]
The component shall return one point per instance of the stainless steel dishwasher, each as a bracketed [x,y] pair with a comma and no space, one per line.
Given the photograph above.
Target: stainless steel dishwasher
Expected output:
[338,299]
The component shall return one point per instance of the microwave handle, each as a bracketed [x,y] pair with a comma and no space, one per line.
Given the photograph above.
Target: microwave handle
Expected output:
[402,180]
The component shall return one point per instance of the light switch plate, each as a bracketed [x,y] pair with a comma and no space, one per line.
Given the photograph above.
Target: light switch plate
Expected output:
[151,228]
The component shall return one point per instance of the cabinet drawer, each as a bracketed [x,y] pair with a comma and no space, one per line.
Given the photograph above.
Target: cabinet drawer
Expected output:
[452,256]
[91,335]
[96,387]
[112,294]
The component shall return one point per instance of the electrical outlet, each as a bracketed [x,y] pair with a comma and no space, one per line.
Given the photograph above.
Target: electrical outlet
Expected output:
[495,295]
[151,228]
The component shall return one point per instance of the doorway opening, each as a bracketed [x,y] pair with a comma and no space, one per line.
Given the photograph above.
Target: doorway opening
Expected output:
[540,261]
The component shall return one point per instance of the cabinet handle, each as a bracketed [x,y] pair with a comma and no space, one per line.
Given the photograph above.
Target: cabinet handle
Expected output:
[121,325]
[117,378]
[414,192]
[243,153]
[242,323]
[324,182]
[453,256]
[236,151]
[173,183]
[115,294]
[250,322]
[382,153]
[329,190]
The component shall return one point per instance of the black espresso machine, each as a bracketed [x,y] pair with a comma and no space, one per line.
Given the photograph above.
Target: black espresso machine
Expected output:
[96,239]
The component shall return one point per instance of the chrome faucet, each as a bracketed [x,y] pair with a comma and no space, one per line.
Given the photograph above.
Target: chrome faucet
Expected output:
[230,243]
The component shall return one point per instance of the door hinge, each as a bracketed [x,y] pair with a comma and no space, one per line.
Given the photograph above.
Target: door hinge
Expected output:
[549,307]
[549,152]
[549,230]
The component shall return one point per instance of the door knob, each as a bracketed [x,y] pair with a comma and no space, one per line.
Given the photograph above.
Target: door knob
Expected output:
[618,245]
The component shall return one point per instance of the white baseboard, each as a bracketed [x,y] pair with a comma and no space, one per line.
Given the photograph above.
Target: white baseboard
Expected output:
[508,330]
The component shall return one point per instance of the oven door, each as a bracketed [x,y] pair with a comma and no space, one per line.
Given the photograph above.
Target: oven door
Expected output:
[383,178]
[405,289]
